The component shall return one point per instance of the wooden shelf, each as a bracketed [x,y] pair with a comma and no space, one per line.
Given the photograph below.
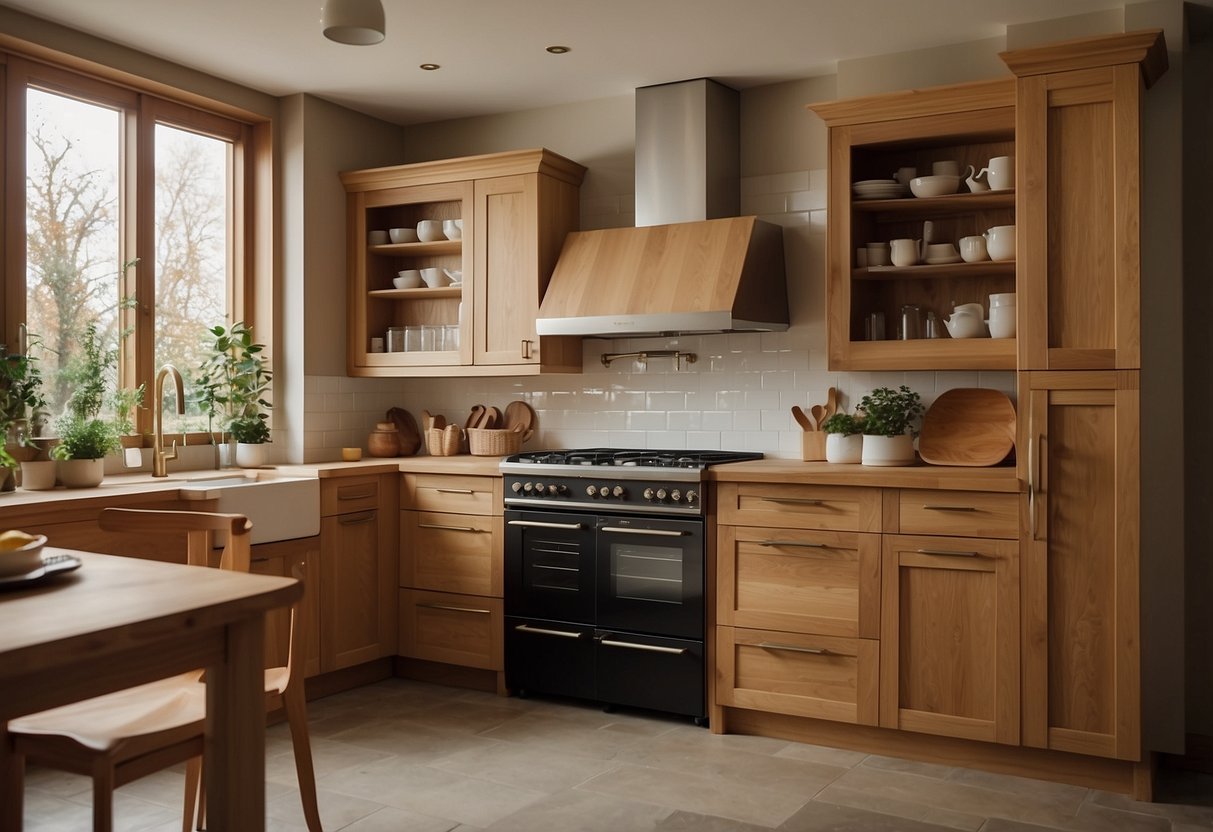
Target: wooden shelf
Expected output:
[424,293]
[418,249]
[987,268]
[935,353]
[937,206]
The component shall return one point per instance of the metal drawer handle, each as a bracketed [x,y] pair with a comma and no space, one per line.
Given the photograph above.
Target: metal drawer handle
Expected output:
[472,529]
[651,648]
[803,501]
[948,552]
[354,519]
[455,609]
[816,651]
[357,495]
[801,543]
[527,628]
[454,491]
[540,524]
[950,508]
[626,530]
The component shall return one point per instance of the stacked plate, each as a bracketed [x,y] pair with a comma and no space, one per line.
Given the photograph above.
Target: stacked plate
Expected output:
[879,189]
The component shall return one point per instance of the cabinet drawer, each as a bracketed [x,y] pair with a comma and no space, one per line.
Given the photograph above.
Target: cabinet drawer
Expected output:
[833,508]
[791,673]
[455,629]
[348,494]
[450,552]
[451,493]
[804,581]
[963,513]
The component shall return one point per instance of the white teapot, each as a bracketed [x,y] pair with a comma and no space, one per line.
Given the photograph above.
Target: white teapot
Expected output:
[966,321]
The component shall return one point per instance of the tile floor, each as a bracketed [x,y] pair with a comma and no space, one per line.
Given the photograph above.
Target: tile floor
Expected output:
[403,756]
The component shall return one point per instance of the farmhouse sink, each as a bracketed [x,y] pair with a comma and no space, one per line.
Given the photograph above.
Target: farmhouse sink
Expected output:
[281,507]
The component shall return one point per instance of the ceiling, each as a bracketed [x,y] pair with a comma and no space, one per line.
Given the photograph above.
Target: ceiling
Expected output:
[492,52]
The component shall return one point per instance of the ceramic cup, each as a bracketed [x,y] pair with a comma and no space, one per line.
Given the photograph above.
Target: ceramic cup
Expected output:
[377,238]
[1001,172]
[452,229]
[1002,322]
[402,235]
[904,175]
[941,253]
[973,249]
[948,167]
[1000,242]
[433,277]
[878,254]
[430,231]
[407,279]
[904,252]
[1002,299]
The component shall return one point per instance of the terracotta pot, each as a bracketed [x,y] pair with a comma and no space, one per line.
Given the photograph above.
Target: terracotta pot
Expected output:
[384,440]
[81,473]
[844,447]
[888,451]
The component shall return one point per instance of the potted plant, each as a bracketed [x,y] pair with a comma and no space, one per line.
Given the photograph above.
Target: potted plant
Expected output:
[233,382]
[844,437]
[22,409]
[888,420]
[85,438]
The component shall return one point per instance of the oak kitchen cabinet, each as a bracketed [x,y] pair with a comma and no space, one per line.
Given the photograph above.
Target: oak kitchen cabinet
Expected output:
[279,559]
[357,570]
[516,208]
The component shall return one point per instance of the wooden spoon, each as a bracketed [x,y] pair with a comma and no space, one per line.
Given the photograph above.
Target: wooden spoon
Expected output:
[474,416]
[831,402]
[801,418]
[491,419]
[818,414]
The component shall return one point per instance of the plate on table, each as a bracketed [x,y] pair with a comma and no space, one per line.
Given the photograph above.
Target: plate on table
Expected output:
[51,566]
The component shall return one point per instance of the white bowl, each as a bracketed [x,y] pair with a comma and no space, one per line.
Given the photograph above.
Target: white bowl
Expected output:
[402,235]
[22,560]
[452,229]
[434,278]
[928,186]
[407,279]
[430,231]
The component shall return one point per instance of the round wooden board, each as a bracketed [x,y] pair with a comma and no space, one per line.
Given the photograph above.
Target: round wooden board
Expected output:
[968,427]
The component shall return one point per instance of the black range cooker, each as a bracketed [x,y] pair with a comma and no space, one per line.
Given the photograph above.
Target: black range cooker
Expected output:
[604,575]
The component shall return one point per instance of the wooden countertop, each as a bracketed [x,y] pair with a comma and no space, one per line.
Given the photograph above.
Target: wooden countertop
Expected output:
[484,466]
[825,473]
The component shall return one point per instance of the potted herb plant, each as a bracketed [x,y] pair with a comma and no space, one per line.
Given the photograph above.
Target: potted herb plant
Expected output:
[232,383]
[85,438]
[22,410]
[888,421]
[844,437]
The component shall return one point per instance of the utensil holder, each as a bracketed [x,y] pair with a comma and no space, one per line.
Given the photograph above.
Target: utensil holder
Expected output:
[813,445]
[485,442]
[440,442]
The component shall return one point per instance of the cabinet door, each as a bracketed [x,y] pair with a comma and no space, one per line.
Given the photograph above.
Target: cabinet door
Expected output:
[451,552]
[506,255]
[454,629]
[949,647]
[357,590]
[1080,563]
[279,559]
[1078,246]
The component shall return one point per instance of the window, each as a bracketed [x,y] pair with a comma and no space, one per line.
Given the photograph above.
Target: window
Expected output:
[135,222]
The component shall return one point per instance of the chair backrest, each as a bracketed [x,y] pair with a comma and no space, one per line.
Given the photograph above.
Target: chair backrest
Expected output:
[199,526]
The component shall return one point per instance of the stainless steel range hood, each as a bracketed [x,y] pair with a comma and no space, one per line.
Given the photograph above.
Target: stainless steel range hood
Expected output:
[691,265]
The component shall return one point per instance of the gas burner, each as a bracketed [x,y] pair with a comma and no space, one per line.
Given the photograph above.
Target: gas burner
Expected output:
[631,458]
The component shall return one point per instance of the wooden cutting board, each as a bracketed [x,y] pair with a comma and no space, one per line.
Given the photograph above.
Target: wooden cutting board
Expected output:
[968,426]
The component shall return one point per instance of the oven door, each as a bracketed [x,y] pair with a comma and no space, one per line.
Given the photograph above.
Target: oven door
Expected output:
[549,565]
[650,576]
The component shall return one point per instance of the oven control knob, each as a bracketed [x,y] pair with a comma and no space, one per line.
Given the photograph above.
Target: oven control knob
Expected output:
[604,492]
[675,495]
[692,496]
[649,494]
[539,489]
[554,490]
[591,491]
[562,490]
[528,488]
[517,486]
[661,495]
[618,491]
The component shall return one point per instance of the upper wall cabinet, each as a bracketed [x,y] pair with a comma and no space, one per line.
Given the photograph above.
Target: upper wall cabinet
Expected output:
[479,316]
[874,138]
[1078,108]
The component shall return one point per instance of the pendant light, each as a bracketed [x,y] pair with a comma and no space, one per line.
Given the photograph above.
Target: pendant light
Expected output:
[356,22]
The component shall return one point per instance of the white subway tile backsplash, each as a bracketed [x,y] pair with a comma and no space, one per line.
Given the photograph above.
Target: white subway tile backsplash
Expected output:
[646,420]
[747,420]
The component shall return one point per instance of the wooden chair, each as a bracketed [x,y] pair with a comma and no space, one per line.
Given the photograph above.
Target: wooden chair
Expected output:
[126,735]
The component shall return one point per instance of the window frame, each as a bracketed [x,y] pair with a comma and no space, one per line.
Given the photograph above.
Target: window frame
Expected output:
[250,223]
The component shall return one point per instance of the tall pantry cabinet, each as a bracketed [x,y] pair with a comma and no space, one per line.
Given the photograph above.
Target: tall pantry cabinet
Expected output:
[1078,177]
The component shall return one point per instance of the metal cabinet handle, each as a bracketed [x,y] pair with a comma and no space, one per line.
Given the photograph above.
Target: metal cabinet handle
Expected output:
[543,631]
[355,519]
[804,544]
[626,530]
[949,508]
[471,529]
[650,648]
[816,651]
[948,553]
[541,524]
[455,609]
[1033,454]
[455,490]
[526,349]
[358,495]
[802,501]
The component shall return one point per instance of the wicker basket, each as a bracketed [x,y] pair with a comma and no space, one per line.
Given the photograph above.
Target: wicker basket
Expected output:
[439,442]
[483,442]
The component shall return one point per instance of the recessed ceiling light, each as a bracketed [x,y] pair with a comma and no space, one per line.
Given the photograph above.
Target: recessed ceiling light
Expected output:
[430,67]
[559,50]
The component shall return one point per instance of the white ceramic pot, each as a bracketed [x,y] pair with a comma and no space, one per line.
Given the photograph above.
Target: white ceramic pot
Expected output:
[38,475]
[80,473]
[252,456]
[844,447]
[888,451]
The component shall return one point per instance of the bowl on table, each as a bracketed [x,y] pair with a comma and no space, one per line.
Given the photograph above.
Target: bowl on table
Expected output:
[20,553]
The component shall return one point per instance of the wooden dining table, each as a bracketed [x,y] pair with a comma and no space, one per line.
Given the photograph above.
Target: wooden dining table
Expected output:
[117,622]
